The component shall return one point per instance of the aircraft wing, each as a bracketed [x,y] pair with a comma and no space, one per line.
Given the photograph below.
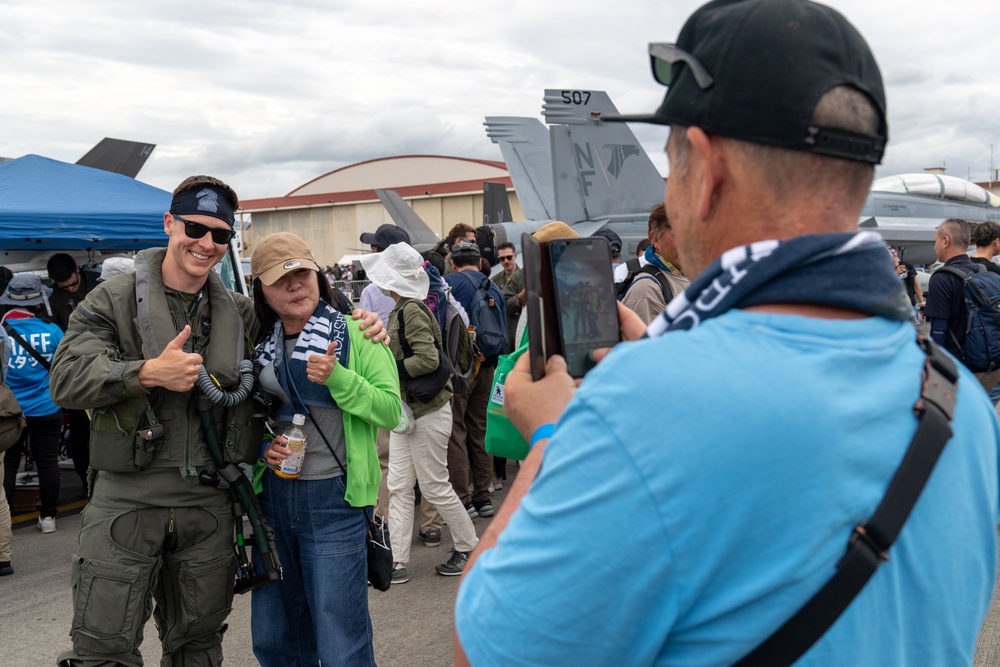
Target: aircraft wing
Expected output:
[118,156]
[422,237]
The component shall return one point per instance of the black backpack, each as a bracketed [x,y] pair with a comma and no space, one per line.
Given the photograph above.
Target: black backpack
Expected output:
[651,270]
[981,293]
[486,314]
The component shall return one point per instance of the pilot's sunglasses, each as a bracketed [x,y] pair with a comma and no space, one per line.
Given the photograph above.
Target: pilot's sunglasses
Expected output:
[662,58]
[504,258]
[195,230]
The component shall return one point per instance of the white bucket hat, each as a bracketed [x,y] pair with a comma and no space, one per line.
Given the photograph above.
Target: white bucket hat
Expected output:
[400,269]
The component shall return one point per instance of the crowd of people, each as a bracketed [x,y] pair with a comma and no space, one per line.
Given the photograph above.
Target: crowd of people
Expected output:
[771,430]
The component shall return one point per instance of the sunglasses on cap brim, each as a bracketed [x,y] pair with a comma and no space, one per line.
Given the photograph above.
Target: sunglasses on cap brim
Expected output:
[664,57]
[195,230]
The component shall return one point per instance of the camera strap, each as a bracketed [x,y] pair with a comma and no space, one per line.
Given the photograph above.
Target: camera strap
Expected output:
[868,546]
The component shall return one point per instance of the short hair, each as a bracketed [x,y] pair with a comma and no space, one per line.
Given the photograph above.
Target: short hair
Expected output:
[466,260]
[641,248]
[658,221]
[193,182]
[506,244]
[458,232]
[61,266]
[957,230]
[435,259]
[986,233]
[266,315]
[786,170]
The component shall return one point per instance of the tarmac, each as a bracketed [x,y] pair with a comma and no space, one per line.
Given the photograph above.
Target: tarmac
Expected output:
[413,622]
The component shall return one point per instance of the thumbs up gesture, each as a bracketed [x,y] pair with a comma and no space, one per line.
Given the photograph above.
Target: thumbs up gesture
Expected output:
[174,369]
[319,366]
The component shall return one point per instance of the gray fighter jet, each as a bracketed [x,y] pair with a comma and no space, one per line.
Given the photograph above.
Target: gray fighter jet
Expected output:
[907,209]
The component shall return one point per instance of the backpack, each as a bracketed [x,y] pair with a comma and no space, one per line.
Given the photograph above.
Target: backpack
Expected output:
[650,270]
[981,293]
[459,349]
[487,315]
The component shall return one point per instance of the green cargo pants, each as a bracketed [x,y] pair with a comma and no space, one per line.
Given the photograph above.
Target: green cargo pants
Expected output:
[130,556]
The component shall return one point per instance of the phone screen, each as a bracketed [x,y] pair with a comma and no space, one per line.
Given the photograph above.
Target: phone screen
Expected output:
[585,299]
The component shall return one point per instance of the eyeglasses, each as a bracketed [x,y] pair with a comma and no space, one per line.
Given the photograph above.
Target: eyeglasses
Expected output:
[67,284]
[506,258]
[662,57]
[195,230]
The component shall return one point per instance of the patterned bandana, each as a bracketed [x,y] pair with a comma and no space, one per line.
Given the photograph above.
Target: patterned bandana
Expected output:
[660,262]
[204,200]
[850,271]
[324,327]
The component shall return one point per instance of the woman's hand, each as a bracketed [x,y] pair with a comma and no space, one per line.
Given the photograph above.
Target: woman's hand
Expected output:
[319,366]
[277,451]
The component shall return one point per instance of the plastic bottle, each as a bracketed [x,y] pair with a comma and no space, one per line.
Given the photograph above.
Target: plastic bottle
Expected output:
[291,467]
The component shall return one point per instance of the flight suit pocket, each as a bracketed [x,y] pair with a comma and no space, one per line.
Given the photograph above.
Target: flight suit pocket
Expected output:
[107,604]
[206,596]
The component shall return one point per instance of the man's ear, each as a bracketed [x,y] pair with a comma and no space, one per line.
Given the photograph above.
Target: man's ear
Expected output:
[166,223]
[711,169]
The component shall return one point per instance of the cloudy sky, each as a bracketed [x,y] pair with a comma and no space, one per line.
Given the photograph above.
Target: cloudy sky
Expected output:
[268,95]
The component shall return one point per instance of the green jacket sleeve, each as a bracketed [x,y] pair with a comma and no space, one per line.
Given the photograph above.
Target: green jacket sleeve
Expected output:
[421,336]
[510,292]
[371,389]
[92,367]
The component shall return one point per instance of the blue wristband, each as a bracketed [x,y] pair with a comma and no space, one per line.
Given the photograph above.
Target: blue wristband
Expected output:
[543,432]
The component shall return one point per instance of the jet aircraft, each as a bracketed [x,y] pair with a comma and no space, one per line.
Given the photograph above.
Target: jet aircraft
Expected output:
[116,155]
[907,209]
[594,175]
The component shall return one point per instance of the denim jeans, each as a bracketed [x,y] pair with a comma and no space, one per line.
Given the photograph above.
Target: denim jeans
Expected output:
[319,610]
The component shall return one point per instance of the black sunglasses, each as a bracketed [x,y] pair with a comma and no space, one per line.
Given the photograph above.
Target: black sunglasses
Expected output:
[195,230]
[662,57]
[504,258]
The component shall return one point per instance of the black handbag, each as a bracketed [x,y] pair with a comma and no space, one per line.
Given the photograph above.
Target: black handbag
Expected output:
[379,552]
[424,388]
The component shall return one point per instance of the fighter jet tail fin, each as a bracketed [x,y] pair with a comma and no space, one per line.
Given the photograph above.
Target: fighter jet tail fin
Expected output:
[598,169]
[118,156]
[525,148]
[496,205]
[422,237]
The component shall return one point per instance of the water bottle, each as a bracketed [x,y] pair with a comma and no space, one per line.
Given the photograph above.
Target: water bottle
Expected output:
[291,467]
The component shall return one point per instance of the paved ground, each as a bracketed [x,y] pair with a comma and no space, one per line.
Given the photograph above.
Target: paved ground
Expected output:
[413,621]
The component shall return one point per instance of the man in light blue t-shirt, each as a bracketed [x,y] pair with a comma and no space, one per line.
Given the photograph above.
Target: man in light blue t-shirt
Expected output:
[700,486]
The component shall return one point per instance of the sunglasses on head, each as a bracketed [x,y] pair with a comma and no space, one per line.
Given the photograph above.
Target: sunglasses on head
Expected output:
[663,57]
[195,230]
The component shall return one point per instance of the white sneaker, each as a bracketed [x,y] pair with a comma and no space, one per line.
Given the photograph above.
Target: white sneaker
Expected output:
[47,524]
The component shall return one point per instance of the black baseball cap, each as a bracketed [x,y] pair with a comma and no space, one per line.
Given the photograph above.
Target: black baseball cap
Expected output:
[614,240]
[754,70]
[385,236]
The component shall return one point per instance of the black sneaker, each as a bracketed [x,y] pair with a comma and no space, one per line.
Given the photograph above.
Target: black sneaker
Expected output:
[473,512]
[455,565]
[432,538]
[484,508]
[5,568]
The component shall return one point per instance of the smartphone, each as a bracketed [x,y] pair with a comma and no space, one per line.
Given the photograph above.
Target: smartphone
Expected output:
[585,305]
[531,258]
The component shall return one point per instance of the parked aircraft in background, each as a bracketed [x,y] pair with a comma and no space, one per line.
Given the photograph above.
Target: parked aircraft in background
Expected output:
[907,209]
[116,155]
[594,175]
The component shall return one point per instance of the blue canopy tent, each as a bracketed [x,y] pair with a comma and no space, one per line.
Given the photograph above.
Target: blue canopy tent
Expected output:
[50,205]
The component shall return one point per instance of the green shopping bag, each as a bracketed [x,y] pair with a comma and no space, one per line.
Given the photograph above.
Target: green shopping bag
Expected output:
[502,439]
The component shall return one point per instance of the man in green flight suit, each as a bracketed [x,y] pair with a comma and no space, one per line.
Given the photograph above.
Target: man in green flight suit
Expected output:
[131,355]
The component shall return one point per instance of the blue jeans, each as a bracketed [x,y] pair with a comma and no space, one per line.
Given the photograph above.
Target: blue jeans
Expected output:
[319,610]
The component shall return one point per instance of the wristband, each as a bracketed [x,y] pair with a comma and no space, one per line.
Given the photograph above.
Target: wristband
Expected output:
[543,432]
[267,443]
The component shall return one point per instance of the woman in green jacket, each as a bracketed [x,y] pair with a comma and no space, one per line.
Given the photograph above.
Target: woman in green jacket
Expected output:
[317,363]
[422,454]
